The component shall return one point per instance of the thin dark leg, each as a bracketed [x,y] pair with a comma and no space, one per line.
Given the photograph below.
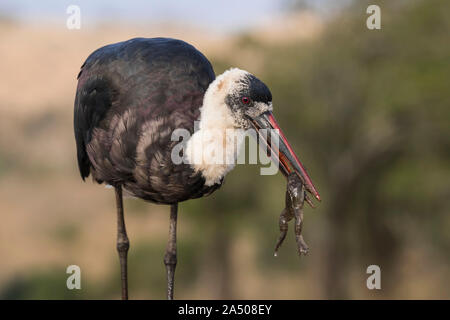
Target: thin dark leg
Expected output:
[170,258]
[122,242]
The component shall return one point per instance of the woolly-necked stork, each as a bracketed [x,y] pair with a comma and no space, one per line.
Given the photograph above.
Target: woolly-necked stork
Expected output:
[132,95]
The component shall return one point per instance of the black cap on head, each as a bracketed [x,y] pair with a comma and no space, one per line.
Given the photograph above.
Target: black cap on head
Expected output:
[257,90]
[247,96]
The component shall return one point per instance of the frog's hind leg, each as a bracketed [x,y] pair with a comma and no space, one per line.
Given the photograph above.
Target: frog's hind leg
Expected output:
[286,215]
[298,214]
[283,222]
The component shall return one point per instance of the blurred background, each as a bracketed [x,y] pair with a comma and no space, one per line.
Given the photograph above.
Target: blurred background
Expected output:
[368,111]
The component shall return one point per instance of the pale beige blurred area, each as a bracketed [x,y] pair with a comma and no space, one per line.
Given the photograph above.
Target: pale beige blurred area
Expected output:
[41,58]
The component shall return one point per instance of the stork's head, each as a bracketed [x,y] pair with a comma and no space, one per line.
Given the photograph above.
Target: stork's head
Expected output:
[238,99]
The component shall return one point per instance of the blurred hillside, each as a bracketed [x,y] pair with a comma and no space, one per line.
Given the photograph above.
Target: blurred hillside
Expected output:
[367,111]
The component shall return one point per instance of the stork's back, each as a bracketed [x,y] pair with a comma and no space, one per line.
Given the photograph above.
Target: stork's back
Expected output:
[130,97]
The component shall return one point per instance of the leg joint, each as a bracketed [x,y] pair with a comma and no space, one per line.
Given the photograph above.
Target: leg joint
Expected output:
[123,245]
[170,259]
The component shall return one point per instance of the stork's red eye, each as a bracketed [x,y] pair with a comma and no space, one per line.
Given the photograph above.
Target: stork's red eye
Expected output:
[245,100]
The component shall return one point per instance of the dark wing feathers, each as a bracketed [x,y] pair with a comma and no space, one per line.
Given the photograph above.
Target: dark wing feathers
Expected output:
[130,97]
[92,102]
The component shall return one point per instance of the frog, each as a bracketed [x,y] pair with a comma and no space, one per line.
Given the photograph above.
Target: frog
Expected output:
[295,199]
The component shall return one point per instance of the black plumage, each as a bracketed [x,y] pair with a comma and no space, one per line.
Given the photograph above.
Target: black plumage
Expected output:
[133,95]
[130,97]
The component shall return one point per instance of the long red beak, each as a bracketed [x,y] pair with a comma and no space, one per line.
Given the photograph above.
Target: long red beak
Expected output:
[282,151]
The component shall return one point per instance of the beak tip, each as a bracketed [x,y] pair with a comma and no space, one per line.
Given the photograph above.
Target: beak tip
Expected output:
[268,121]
